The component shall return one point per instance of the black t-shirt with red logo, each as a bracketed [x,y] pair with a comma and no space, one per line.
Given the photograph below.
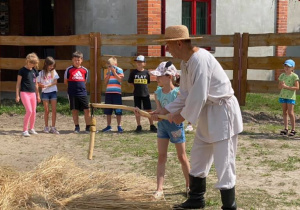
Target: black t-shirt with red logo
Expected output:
[28,79]
[77,78]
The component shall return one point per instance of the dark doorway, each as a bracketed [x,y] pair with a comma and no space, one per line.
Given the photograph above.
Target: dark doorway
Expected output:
[39,21]
[38,18]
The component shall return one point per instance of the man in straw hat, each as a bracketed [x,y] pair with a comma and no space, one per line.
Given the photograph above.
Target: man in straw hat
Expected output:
[207,99]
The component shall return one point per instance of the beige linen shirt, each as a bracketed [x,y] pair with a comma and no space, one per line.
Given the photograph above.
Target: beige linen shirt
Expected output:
[207,98]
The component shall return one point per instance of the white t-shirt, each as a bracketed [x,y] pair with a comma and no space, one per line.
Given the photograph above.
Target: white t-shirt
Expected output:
[47,80]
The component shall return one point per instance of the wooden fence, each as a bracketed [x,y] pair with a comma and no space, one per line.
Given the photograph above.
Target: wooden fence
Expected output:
[267,62]
[74,40]
[239,63]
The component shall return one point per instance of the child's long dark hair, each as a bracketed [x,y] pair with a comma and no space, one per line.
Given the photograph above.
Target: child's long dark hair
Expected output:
[48,62]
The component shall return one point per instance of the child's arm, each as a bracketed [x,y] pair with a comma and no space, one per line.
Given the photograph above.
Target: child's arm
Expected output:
[66,78]
[52,84]
[158,105]
[19,78]
[107,78]
[295,87]
[158,108]
[118,77]
[37,92]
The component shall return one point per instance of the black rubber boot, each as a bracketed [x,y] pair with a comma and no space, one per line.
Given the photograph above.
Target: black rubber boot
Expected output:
[228,199]
[196,194]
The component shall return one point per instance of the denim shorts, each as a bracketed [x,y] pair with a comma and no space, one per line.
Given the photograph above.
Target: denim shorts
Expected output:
[172,131]
[287,101]
[49,96]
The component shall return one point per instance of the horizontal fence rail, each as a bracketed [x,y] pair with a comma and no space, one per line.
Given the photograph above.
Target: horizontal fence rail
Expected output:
[79,40]
[145,40]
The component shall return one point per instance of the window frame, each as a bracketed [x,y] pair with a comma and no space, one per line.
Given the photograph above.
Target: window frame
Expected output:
[194,13]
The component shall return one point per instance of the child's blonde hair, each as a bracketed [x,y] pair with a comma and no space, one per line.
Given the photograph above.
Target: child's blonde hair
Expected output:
[112,61]
[33,59]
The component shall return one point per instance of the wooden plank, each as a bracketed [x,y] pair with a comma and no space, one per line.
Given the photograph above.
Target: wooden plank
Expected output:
[152,62]
[73,40]
[145,40]
[269,63]
[92,69]
[17,63]
[128,88]
[255,86]
[236,65]
[10,86]
[244,59]
[271,39]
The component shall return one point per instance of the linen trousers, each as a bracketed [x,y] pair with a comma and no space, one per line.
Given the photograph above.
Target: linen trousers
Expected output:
[222,154]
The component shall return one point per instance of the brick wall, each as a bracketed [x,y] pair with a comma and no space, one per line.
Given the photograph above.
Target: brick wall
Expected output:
[281,27]
[149,22]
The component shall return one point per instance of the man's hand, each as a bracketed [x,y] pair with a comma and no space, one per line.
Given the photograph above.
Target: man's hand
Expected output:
[175,117]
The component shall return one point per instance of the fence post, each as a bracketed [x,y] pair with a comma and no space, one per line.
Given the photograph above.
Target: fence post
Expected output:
[99,67]
[244,59]
[236,65]
[92,68]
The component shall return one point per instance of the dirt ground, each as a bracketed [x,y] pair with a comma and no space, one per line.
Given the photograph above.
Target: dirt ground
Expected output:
[254,166]
[24,153]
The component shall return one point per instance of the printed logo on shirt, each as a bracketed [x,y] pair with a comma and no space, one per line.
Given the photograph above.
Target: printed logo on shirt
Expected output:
[140,81]
[77,76]
[34,77]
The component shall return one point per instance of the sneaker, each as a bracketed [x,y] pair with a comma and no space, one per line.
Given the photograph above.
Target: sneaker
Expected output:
[46,130]
[108,128]
[53,130]
[189,128]
[32,131]
[158,195]
[25,134]
[153,129]
[77,130]
[138,129]
[87,129]
[120,129]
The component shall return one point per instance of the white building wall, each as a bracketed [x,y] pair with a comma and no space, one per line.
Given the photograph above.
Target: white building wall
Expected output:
[255,17]
[231,16]
[107,17]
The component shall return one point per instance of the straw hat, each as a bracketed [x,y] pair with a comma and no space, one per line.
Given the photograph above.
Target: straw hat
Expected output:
[174,33]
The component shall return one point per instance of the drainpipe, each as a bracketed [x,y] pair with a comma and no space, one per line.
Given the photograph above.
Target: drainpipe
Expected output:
[163,24]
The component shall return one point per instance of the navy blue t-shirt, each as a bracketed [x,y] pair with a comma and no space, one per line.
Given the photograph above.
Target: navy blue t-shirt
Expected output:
[77,78]
[28,81]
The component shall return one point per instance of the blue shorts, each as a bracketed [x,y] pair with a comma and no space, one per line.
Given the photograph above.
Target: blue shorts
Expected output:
[174,132]
[113,98]
[49,96]
[287,101]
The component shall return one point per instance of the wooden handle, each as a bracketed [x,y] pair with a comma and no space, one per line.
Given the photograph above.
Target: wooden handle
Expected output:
[129,108]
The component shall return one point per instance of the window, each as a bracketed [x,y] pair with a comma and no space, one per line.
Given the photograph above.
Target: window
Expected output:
[196,15]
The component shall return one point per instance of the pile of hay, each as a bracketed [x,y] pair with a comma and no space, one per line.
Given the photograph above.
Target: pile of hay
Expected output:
[58,183]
